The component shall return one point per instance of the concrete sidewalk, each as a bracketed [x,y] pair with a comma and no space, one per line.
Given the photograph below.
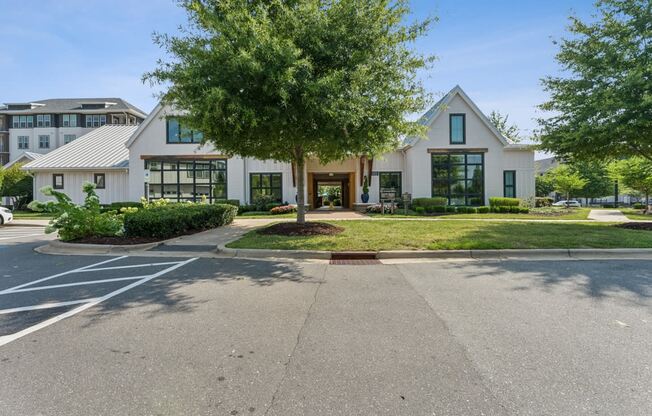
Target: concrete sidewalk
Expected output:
[607,215]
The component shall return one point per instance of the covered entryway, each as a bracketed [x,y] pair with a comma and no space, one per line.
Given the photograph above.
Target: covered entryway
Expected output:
[326,189]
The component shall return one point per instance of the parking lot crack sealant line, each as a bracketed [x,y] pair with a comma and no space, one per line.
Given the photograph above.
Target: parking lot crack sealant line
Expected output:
[9,338]
[296,344]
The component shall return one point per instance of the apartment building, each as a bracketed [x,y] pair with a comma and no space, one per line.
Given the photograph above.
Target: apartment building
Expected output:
[42,126]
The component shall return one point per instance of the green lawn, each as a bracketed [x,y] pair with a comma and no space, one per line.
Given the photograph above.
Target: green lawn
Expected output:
[535,214]
[32,214]
[636,214]
[449,235]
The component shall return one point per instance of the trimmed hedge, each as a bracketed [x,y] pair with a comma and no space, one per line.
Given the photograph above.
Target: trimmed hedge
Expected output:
[540,202]
[172,220]
[117,206]
[235,202]
[497,201]
[429,204]
[483,210]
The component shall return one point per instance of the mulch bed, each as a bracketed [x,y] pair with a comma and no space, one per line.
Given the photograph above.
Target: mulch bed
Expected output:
[293,229]
[647,226]
[127,241]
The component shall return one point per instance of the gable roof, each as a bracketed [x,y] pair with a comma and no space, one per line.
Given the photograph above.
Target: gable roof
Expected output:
[148,120]
[441,106]
[20,159]
[102,148]
[74,105]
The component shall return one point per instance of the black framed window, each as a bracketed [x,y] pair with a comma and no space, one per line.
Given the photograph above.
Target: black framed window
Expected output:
[177,133]
[100,180]
[458,177]
[57,181]
[69,120]
[458,128]
[509,183]
[22,122]
[389,181]
[23,142]
[187,179]
[43,120]
[44,141]
[95,120]
[266,184]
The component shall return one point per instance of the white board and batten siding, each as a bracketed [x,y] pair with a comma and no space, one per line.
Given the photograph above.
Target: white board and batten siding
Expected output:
[116,189]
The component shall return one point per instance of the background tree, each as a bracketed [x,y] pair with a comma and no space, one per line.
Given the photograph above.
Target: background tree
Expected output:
[602,107]
[598,182]
[295,79]
[510,131]
[635,174]
[18,185]
[566,181]
[544,185]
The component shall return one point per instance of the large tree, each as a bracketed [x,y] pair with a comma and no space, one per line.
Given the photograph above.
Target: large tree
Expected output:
[510,131]
[291,80]
[16,184]
[602,104]
[566,181]
[598,182]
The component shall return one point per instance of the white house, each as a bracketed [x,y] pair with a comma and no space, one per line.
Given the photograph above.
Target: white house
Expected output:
[463,158]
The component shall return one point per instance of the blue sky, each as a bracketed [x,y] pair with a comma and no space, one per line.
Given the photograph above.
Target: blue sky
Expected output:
[497,51]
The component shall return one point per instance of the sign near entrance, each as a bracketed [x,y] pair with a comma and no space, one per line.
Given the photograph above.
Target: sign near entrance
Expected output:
[388,194]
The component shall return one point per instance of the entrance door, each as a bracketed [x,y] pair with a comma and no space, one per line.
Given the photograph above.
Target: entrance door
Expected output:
[329,189]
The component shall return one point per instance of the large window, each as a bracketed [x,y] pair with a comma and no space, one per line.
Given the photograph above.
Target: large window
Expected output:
[22,122]
[43,120]
[457,128]
[459,177]
[69,120]
[177,133]
[266,184]
[44,141]
[187,180]
[95,120]
[23,142]
[509,183]
[390,181]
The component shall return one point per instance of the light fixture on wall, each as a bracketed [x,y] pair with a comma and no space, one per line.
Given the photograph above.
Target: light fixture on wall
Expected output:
[330,174]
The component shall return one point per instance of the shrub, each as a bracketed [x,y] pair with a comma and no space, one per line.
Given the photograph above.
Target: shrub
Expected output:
[72,221]
[173,220]
[429,203]
[461,210]
[246,208]
[378,209]
[438,208]
[263,201]
[504,202]
[471,210]
[524,210]
[639,205]
[420,210]
[449,208]
[272,205]
[540,202]
[503,209]
[514,210]
[284,209]
[608,206]
[483,210]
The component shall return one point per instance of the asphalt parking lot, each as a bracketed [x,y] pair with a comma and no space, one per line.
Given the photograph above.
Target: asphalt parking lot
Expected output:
[175,336]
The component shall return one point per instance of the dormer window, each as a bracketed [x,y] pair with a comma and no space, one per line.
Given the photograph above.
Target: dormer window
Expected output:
[457,128]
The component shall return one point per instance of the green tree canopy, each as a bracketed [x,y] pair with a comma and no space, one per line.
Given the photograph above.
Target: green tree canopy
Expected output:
[17,184]
[566,181]
[598,182]
[510,131]
[635,174]
[602,105]
[296,79]
[544,185]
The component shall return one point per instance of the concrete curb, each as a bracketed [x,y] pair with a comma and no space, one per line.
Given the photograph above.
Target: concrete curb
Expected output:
[59,247]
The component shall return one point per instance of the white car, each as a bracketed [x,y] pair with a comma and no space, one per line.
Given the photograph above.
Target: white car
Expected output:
[571,203]
[5,215]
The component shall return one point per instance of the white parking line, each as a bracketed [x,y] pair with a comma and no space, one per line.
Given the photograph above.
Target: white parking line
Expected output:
[90,303]
[2,292]
[46,306]
[88,282]
[18,236]
[131,266]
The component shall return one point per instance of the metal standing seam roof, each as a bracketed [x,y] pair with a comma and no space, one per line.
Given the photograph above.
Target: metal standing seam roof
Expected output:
[102,148]
[74,105]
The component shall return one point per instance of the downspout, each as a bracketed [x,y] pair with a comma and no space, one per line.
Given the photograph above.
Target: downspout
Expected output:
[244,181]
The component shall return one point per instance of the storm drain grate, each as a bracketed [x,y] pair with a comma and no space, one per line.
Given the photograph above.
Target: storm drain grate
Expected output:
[355,262]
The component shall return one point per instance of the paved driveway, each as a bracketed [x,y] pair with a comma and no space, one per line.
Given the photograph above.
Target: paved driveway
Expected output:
[239,337]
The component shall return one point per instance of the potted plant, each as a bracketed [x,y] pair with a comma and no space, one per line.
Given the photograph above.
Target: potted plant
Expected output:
[365,190]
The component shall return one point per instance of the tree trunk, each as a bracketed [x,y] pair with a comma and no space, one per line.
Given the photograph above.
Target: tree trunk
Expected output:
[301,186]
